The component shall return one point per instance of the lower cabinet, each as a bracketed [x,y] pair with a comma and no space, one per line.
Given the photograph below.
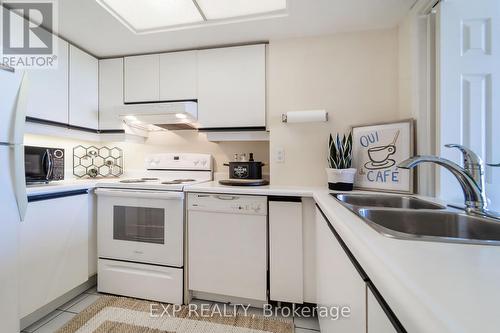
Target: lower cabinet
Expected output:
[376,319]
[285,250]
[54,249]
[338,286]
[340,283]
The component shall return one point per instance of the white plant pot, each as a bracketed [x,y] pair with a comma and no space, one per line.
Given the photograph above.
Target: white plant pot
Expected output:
[341,179]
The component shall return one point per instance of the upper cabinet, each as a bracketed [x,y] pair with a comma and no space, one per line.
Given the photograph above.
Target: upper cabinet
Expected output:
[161,77]
[178,76]
[48,94]
[142,78]
[110,93]
[232,87]
[83,89]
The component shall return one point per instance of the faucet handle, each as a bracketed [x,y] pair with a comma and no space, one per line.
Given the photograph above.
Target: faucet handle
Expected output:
[493,164]
[471,159]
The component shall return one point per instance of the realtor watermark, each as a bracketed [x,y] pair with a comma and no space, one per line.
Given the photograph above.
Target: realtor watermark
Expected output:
[207,310]
[27,34]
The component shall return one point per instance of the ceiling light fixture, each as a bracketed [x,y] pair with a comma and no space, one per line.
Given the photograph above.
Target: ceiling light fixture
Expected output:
[145,15]
[224,9]
[149,16]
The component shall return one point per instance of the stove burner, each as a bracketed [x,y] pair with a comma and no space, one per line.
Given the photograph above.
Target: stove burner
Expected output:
[177,181]
[132,181]
[149,178]
[171,182]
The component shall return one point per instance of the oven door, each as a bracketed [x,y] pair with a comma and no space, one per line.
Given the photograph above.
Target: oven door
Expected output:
[141,226]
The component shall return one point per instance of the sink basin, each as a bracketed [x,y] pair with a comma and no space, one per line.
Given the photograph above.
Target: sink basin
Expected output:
[443,226]
[387,201]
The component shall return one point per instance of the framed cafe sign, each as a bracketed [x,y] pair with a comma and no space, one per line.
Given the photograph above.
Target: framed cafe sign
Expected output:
[377,150]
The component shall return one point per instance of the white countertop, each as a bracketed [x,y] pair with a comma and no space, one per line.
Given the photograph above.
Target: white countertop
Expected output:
[430,286]
[63,186]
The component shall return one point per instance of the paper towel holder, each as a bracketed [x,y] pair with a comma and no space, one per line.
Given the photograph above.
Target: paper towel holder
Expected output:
[309,116]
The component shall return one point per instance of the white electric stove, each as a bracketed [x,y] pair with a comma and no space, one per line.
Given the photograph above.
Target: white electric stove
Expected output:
[141,228]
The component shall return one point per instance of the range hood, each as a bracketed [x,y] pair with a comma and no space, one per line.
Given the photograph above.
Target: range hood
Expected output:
[166,115]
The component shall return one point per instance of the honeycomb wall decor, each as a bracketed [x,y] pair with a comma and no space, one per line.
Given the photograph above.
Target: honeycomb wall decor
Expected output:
[96,162]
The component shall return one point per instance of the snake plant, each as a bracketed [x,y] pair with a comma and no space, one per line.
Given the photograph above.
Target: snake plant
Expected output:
[340,152]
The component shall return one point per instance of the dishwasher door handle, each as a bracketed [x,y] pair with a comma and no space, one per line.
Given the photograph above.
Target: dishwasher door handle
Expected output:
[226,197]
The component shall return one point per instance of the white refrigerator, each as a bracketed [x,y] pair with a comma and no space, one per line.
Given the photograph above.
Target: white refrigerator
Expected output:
[13,198]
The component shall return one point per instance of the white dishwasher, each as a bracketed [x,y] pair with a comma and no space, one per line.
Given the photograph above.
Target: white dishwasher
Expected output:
[227,245]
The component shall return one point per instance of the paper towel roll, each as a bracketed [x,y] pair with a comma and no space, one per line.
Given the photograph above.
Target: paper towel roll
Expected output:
[309,116]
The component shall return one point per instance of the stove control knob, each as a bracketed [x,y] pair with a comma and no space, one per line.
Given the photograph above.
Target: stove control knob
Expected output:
[196,162]
[204,162]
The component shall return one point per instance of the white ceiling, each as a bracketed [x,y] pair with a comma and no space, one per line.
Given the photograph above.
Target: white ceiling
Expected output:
[88,25]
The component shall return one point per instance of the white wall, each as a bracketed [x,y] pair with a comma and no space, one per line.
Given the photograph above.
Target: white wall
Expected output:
[354,76]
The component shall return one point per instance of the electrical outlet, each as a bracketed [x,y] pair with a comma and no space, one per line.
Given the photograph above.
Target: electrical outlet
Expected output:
[279,155]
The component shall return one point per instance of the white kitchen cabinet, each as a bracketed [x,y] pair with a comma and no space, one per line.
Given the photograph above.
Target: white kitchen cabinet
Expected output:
[232,87]
[338,282]
[53,250]
[48,93]
[178,76]
[285,250]
[377,320]
[92,233]
[309,249]
[142,78]
[83,89]
[110,93]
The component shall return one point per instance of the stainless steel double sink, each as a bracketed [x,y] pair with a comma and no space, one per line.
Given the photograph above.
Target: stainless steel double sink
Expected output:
[408,217]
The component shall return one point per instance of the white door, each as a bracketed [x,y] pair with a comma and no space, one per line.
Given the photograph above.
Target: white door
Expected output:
[53,250]
[468,85]
[376,319]
[338,283]
[9,234]
[48,98]
[232,87]
[140,226]
[142,78]
[83,89]
[110,93]
[178,75]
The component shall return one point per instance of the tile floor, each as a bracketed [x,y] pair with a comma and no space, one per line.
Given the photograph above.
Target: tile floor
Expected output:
[55,320]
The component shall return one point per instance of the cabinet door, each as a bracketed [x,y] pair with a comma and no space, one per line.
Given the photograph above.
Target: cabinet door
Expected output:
[142,78]
[53,250]
[338,282]
[377,320]
[232,87]
[83,89]
[110,93]
[48,93]
[178,76]
[285,251]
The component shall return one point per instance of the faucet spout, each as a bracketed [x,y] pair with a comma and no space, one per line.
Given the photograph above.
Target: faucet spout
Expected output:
[475,198]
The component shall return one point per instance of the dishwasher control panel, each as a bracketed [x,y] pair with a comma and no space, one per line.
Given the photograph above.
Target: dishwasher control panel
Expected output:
[228,203]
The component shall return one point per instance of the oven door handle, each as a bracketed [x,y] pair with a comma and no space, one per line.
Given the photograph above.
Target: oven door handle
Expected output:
[147,194]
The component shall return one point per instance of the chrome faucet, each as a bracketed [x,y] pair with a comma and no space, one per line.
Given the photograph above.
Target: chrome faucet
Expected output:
[470,177]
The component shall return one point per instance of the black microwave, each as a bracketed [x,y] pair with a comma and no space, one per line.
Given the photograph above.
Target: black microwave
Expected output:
[43,165]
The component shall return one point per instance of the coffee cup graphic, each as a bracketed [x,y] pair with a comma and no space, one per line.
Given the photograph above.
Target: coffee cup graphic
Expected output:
[380,155]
